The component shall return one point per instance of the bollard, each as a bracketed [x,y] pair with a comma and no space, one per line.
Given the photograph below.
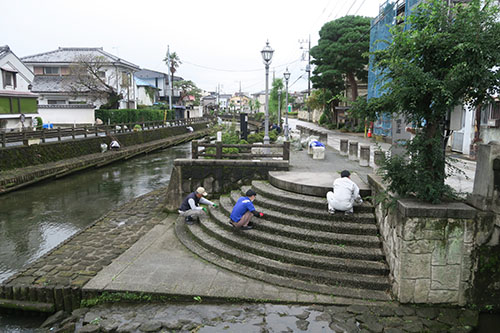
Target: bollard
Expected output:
[353,151]
[323,137]
[364,156]
[344,147]
[378,157]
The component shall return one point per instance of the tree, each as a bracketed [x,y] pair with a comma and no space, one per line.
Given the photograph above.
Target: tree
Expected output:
[173,61]
[342,52]
[87,77]
[440,58]
[273,100]
[188,88]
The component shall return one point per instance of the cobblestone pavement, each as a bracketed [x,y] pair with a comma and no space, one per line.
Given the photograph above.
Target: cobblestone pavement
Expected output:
[75,261]
[264,318]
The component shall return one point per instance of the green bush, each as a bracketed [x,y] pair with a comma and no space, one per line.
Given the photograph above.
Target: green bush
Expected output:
[133,115]
[39,123]
[323,119]
[259,116]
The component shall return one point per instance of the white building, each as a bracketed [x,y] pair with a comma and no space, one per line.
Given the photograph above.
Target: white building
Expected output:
[159,80]
[66,101]
[18,105]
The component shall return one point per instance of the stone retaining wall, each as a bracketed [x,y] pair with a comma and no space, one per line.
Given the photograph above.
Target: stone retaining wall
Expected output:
[23,156]
[14,179]
[216,176]
[430,248]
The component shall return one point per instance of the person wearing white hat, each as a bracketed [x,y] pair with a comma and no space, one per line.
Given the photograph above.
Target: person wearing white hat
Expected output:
[190,206]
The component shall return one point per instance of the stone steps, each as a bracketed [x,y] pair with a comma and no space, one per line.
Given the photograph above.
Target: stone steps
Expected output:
[338,258]
[322,214]
[297,244]
[299,200]
[298,232]
[306,274]
[339,223]
[344,295]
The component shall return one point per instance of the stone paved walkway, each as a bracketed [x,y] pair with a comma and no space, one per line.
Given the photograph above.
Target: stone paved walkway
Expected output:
[461,182]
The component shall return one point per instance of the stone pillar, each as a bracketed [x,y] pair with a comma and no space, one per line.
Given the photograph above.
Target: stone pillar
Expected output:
[364,156]
[353,151]
[486,191]
[378,157]
[343,147]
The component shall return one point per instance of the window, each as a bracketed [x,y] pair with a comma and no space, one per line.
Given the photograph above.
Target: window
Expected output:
[51,70]
[14,105]
[56,102]
[101,74]
[9,78]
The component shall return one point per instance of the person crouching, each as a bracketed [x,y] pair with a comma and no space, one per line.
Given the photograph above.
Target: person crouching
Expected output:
[190,206]
[345,193]
[243,211]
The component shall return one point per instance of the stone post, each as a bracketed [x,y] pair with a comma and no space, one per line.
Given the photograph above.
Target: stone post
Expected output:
[194,149]
[344,147]
[286,150]
[378,157]
[353,151]
[364,156]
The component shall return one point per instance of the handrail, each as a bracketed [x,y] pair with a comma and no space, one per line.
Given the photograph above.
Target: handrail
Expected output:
[199,150]
[59,133]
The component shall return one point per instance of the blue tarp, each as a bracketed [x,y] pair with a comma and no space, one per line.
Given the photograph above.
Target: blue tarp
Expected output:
[316,143]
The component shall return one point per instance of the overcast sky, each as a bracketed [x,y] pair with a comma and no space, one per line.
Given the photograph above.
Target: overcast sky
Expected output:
[219,42]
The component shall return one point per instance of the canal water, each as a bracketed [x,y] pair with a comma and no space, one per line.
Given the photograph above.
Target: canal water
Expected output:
[36,219]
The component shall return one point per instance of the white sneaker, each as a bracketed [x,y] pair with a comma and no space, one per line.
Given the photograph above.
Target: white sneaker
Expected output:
[331,211]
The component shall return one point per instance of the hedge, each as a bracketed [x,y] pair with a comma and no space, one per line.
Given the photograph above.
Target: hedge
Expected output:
[133,115]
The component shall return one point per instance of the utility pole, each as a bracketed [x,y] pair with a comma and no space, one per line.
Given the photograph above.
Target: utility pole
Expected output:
[241,105]
[308,70]
[169,79]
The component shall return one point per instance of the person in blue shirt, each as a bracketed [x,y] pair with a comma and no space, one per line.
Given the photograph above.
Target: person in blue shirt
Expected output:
[243,211]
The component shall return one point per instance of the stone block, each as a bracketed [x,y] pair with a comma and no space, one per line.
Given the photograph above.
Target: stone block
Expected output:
[344,147]
[406,290]
[445,277]
[415,266]
[455,229]
[469,229]
[419,246]
[454,252]
[318,153]
[439,254]
[353,151]
[443,296]
[422,288]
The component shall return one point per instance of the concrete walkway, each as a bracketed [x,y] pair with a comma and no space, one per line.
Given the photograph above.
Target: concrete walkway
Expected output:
[463,181]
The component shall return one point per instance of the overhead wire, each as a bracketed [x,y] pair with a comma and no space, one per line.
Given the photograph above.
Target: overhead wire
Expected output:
[236,70]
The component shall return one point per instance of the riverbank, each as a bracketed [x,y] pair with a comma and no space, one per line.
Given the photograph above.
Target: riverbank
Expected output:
[15,179]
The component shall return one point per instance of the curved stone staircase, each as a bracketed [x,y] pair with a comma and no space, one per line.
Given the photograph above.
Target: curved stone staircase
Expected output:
[297,244]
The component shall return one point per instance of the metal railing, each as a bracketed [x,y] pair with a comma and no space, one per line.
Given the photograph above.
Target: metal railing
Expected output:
[85,131]
[202,149]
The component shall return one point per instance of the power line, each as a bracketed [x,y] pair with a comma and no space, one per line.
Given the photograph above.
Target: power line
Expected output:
[236,70]
[354,2]
[360,7]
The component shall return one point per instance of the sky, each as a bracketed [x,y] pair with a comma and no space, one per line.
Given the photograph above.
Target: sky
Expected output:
[218,42]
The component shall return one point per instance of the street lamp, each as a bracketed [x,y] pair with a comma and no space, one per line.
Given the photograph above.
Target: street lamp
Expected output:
[267,55]
[279,108]
[286,75]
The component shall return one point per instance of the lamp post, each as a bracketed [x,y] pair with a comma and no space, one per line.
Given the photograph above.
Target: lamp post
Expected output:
[279,108]
[267,54]
[286,75]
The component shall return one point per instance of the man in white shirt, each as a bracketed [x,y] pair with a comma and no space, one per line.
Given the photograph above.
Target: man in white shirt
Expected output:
[190,206]
[345,193]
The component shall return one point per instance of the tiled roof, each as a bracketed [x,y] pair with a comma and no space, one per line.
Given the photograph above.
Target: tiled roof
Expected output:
[69,54]
[150,74]
[51,84]
[4,50]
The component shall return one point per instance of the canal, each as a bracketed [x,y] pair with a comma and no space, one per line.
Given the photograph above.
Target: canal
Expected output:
[36,219]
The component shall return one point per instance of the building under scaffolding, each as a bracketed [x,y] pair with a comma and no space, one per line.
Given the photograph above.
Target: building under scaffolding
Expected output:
[380,37]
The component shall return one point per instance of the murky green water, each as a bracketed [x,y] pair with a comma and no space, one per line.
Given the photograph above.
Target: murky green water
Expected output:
[38,218]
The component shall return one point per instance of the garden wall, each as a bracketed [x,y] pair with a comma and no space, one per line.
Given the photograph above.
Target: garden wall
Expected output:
[432,250]
[216,176]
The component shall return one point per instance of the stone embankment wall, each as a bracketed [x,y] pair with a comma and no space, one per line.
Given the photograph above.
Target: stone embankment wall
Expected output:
[16,178]
[430,249]
[23,156]
[216,176]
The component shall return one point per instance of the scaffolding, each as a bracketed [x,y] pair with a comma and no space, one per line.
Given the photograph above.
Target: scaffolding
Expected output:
[380,38]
